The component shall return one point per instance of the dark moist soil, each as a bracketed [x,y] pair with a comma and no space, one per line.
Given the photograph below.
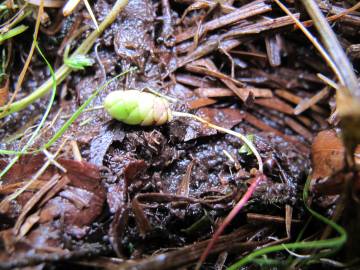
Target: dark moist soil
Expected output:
[149,197]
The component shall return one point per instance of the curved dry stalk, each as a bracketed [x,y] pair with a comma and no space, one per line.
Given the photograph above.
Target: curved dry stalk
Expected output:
[228,131]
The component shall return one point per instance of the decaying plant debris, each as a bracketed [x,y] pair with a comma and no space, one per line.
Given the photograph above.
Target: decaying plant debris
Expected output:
[114,196]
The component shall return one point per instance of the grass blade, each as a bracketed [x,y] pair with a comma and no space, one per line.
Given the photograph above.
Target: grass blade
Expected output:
[42,121]
[13,32]
[333,243]
[76,114]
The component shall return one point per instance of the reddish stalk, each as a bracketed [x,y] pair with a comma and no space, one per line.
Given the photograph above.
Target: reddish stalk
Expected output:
[246,197]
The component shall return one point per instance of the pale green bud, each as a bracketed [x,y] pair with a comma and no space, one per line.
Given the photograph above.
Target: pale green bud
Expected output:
[134,107]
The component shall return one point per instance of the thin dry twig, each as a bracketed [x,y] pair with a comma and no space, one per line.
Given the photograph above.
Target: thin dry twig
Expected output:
[227,131]
[237,15]
[263,25]
[34,199]
[310,102]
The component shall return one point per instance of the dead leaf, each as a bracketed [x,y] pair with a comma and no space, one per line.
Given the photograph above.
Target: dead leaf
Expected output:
[328,154]
[79,199]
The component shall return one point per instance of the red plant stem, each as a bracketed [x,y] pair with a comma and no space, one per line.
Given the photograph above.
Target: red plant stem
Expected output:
[230,217]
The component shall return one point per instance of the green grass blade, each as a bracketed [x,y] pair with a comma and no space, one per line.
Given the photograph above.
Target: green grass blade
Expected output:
[64,70]
[77,113]
[333,243]
[10,152]
[13,32]
[42,121]
[67,124]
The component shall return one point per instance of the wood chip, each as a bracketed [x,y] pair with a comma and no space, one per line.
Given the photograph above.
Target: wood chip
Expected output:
[307,103]
[200,102]
[224,92]
[297,100]
[193,80]
[264,25]
[298,128]
[237,15]
[275,104]
[273,50]
[214,92]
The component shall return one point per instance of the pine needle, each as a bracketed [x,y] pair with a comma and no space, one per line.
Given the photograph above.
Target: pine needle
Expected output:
[313,40]
[88,7]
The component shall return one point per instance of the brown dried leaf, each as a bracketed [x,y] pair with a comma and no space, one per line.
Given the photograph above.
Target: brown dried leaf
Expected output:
[79,198]
[328,154]
[328,158]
